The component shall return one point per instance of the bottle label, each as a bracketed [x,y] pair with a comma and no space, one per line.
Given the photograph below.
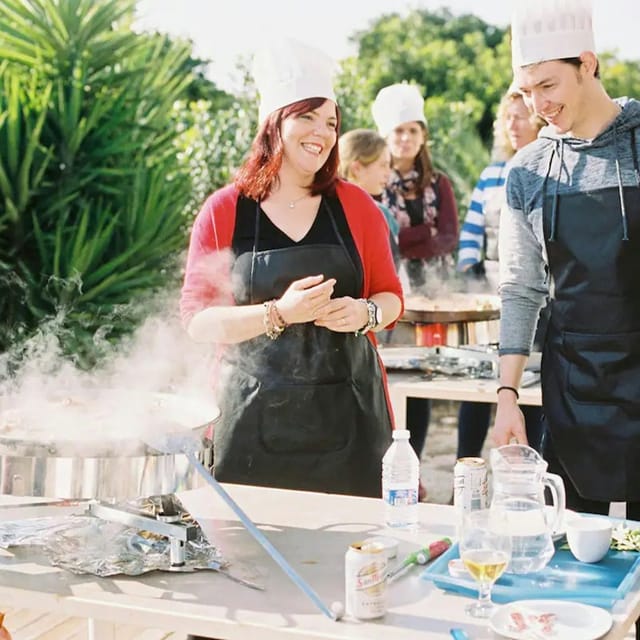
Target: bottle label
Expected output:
[401,497]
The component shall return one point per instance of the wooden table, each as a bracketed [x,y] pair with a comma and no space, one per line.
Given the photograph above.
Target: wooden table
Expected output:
[311,530]
[415,385]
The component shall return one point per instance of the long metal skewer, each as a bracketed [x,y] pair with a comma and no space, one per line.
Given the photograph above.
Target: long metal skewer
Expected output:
[262,539]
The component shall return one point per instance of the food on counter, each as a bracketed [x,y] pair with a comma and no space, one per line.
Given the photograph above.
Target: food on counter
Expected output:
[625,539]
[541,624]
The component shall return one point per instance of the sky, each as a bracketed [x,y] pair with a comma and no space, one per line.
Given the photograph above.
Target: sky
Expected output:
[223,30]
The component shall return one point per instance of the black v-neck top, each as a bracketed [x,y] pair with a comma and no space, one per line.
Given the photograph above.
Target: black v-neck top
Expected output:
[271,237]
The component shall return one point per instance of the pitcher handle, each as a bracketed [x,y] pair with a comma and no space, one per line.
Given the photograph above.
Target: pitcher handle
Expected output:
[558,495]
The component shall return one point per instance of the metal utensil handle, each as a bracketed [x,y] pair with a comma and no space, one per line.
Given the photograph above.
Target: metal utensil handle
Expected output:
[261,538]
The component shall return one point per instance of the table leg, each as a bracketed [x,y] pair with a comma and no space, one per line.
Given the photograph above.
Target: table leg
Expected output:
[101,630]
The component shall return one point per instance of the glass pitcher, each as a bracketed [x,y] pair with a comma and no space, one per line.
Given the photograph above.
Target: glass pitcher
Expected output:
[519,478]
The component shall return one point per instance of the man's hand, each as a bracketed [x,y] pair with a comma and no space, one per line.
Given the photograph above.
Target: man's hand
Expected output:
[509,423]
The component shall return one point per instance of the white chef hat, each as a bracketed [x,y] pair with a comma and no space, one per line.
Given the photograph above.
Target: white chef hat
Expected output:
[396,104]
[513,89]
[286,71]
[544,30]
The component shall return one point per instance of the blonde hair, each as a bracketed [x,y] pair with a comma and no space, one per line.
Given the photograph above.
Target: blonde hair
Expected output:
[502,148]
[359,145]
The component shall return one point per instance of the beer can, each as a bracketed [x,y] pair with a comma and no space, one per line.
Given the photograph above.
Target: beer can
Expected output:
[365,567]
[470,485]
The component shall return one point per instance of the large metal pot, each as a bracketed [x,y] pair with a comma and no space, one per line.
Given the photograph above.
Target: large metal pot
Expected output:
[454,307]
[95,445]
[453,320]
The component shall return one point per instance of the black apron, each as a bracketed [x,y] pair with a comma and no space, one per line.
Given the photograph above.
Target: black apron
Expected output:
[308,410]
[591,357]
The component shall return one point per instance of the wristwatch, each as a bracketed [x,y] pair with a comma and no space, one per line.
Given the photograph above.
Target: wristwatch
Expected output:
[374,319]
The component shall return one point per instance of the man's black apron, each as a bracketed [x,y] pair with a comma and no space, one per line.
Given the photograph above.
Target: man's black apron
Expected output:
[307,410]
[591,358]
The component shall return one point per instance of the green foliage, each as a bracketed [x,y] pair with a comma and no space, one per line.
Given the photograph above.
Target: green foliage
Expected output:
[460,63]
[618,77]
[461,153]
[454,57]
[91,192]
[212,144]
[110,140]
[213,140]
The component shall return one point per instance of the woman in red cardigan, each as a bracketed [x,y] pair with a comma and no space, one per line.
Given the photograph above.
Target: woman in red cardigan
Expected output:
[290,269]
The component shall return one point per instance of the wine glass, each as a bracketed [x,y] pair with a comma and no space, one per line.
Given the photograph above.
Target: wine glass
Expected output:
[485,550]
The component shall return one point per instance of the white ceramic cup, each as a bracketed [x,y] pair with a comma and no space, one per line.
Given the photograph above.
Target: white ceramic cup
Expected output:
[589,538]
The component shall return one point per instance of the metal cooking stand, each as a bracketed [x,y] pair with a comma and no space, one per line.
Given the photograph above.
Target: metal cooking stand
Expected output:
[170,525]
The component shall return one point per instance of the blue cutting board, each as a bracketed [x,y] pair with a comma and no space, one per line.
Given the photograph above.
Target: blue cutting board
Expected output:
[564,578]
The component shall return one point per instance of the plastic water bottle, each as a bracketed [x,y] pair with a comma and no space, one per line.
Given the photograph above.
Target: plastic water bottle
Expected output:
[400,477]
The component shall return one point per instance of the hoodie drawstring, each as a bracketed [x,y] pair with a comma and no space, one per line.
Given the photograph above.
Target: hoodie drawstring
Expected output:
[554,205]
[559,142]
[623,208]
[634,155]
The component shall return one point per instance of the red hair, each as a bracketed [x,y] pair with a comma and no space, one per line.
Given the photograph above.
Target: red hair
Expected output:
[259,172]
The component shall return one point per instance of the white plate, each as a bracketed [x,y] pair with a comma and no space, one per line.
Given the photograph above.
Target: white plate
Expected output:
[573,620]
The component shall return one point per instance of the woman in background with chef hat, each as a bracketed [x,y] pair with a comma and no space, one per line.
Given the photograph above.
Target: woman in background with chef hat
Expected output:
[421,198]
[423,203]
[290,269]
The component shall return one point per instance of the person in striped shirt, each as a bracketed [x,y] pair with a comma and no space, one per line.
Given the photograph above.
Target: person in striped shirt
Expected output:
[515,127]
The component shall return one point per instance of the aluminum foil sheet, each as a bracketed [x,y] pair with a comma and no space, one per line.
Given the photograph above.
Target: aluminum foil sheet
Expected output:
[84,544]
[105,549]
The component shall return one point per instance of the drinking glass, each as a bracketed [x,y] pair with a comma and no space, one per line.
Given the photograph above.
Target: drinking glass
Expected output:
[485,550]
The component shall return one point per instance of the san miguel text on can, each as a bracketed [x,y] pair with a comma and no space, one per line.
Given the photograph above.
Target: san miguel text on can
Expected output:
[470,486]
[365,566]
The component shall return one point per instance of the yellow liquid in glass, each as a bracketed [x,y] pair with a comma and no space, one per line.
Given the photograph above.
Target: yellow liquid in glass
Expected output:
[485,565]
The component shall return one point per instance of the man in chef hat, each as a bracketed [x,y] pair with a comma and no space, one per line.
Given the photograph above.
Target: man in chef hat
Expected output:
[571,231]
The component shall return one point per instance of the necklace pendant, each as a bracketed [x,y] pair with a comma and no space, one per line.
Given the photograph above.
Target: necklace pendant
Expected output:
[292,205]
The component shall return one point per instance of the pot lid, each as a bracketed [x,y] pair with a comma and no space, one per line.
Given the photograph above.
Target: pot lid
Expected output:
[453,307]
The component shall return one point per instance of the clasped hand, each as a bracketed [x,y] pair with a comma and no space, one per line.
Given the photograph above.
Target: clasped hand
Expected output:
[309,300]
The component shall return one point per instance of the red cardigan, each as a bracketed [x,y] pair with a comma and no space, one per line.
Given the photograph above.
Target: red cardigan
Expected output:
[207,275]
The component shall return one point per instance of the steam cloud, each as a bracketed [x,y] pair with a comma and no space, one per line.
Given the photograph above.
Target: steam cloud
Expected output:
[156,380]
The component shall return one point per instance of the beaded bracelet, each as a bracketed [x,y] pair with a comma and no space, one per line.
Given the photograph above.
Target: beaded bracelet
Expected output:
[272,330]
[504,386]
[281,321]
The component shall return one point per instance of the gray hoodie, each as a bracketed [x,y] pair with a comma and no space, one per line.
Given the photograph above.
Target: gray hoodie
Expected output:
[570,165]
